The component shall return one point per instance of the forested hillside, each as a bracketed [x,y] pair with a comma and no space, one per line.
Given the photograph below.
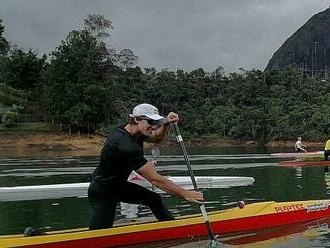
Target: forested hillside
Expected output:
[86,85]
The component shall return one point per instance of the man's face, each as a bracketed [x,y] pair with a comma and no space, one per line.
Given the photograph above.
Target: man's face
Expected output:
[147,126]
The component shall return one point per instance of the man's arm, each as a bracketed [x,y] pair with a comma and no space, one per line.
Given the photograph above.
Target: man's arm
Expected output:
[159,134]
[148,172]
[162,131]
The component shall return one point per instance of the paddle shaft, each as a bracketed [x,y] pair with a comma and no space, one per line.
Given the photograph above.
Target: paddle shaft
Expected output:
[191,173]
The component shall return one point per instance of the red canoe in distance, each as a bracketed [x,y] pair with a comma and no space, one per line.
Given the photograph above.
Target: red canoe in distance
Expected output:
[298,163]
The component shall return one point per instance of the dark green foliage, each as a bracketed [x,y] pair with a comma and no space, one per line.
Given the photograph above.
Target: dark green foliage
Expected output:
[9,118]
[81,87]
[251,105]
[4,45]
[97,25]
[23,70]
[77,89]
[10,96]
[12,116]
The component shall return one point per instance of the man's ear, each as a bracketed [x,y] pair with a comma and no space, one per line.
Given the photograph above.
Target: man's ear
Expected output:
[135,121]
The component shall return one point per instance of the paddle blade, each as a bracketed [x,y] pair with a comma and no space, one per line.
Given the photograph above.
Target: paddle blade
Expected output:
[215,244]
[155,151]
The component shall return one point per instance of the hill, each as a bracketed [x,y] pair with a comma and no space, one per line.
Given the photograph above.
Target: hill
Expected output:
[308,47]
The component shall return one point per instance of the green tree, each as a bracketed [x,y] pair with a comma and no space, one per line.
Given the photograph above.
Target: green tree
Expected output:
[9,118]
[221,120]
[76,87]
[4,44]
[4,47]
[127,58]
[23,69]
[97,25]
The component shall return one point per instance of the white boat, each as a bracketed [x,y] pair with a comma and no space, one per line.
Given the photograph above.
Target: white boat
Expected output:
[297,154]
[53,191]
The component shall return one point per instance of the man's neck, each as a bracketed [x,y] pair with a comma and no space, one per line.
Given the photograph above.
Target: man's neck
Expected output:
[132,129]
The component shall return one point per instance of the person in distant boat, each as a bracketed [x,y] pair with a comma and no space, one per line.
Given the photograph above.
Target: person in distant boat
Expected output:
[121,154]
[299,146]
[327,150]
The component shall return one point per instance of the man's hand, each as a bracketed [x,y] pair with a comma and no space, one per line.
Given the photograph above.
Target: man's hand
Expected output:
[193,196]
[159,134]
[149,172]
[172,117]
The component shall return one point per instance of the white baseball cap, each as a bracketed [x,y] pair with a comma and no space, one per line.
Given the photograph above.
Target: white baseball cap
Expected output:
[146,110]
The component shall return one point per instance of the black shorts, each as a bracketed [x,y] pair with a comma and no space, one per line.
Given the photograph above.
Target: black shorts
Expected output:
[103,202]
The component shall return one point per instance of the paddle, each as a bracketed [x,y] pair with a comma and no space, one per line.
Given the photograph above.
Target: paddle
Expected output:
[191,173]
[155,151]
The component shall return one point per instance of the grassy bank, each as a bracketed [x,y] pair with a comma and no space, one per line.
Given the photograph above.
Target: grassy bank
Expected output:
[26,142]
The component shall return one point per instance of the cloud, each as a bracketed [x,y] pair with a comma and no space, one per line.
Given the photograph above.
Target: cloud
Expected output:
[185,34]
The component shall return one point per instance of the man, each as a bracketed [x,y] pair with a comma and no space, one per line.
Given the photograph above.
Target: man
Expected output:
[299,146]
[123,153]
[327,150]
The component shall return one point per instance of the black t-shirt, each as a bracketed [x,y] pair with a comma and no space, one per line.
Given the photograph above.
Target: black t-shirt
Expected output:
[121,154]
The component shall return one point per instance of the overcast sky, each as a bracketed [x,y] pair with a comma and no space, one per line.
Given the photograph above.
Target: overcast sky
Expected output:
[185,34]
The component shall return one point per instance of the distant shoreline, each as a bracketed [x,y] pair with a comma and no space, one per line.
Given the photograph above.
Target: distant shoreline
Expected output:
[26,143]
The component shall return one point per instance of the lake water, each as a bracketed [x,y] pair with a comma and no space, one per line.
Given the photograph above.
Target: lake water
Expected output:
[273,183]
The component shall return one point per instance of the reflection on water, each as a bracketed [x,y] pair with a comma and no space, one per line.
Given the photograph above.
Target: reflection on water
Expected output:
[49,171]
[129,211]
[305,235]
[31,167]
[327,181]
[272,183]
[298,172]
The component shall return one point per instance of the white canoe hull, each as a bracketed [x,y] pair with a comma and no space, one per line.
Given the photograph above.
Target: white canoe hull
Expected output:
[296,154]
[53,191]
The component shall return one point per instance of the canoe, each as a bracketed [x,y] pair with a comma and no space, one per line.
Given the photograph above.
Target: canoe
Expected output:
[319,157]
[280,236]
[236,220]
[271,237]
[53,191]
[297,154]
[298,163]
